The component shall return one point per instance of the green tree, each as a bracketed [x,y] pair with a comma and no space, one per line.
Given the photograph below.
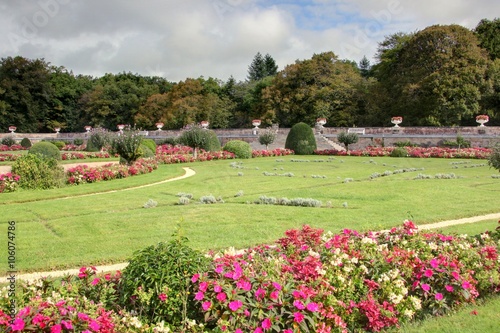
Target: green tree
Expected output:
[267,137]
[347,139]
[196,138]
[262,67]
[494,159]
[301,139]
[127,145]
[364,67]
[488,33]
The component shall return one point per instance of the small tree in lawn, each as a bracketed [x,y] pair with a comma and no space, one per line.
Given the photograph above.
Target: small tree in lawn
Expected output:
[267,137]
[494,159]
[196,138]
[347,139]
[127,145]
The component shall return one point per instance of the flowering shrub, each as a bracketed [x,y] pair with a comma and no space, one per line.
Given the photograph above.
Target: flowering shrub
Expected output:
[9,157]
[84,174]
[83,155]
[168,154]
[274,152]
[13,147]
[477,153]
[9,182]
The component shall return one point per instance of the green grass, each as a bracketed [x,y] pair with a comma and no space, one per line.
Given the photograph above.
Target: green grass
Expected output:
[470,228]
[58,232]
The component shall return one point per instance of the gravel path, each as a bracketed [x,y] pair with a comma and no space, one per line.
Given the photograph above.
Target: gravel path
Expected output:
[121,266]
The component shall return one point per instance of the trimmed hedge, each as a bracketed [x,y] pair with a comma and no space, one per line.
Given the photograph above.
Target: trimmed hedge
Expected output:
[301,139]
[240,149]
[45,149]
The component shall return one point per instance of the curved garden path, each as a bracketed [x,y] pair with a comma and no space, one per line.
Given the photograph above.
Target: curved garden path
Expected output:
[189,172]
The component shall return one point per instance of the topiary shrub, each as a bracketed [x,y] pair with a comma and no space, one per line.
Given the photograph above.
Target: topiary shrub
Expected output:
[8,141]
[212,143]
[494,159]
[240,149]
[99,139]
[59,144]
[347,139]
[267,137]
[127,145]
[301,139]
[38,172]
[151,144]
[157,282]
[196,138]
[399,152]
[26,143]
[146,152]
[45,149]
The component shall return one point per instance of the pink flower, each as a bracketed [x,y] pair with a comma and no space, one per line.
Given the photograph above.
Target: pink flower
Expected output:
[217,288]
[466,285]
[266,324]
[221,297]
[244,284]
[288,331]
[455,275]
[434,263]
[259,293]
[428,273]
[298,317]
[18,325]
[448,288]
[438,296]
[94,326]
[277,286]
[257,330]
[313,307]
[67,324]
[56,329]
[238,331]
[203,286]
[107,277]
[219,269]
[195,278]
[299,305]
[199,296]
[206,305]
[95,281]
[162,297]
[83,316]
[425,287]
[235,305]
[274,294]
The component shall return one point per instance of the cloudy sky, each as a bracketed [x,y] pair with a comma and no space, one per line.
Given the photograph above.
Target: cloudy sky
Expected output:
[177,39]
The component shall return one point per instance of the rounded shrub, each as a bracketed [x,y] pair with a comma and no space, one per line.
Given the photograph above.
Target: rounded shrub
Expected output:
[157,282]
[399,152]
[78,141]
[45,149]
[171,140]
[212,143]
[145,151]
[8,141]
[494,159]
[59,144]
[240,149]
[151,144]
[301,139]
[26,143]
[127,145]
[38,172]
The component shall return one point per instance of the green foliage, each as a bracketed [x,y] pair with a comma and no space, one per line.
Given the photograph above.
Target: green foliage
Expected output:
[494,159]
[8,141]
[45,149]
[399,152]
[127,146]
[301,139]
[199,138]
[38,171]
[78,141]
[145,151]
[151,144]
[163,271]
[460,142]
[171,140]
[59,144]
[267,137]
[347,139]
[99,139]
[90,147]
[261,67]
[407,143]
[489,38]
[26,143]
[239,148]
[213,143]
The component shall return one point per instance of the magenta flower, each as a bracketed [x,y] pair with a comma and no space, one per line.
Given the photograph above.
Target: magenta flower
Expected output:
[56,329]
[434,263]
[219,269]
[288,331]
[274,294]
[313,307]
[18,325]
[203,286]
[266,324]
[206,305]
[466,285]
[425,287]
[217,288]
[259,293]
[438,296]
[221,297]
[455,275]
[448,288]
[299,305]
[298,317]
[94,326]
[258,330]
[195,278]
[67,324]
[162,297]
[277,286]
[238,331]
[95,281]
[428,273]
[235,305]
[83,316]
[199,296]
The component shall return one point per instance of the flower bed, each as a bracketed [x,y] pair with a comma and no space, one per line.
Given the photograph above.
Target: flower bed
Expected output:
[14,147]
[270,153]
[84,174]
[84,155]
[8,157]
[309,281]
[8,182]
[475,153]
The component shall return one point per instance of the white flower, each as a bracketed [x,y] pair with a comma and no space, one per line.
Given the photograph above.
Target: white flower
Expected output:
[409,313]
[354,260]
[314,254]
[367,240]
[433,246]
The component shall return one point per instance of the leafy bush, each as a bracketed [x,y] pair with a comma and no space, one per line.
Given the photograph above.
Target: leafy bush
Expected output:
[301,139]
[45,149]
[172,140]
[267,137]
[151,144]
[8,141]
[494,159]
[127,146]
[59,144]
[239,148]
[407,143]
[157,282]
[459,143]
[213,143]
[146,152]
[196,138]
[38,172]
[99,139]
[78,142]
[26,143]
[150,204]
[399,152]
[347,139]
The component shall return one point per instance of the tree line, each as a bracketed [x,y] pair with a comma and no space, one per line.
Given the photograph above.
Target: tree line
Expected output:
[443,75]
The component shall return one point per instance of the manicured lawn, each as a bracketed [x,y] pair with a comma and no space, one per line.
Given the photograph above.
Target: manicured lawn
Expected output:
[56,232]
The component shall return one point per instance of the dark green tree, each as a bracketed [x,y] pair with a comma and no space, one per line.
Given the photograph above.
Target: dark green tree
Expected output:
[301,139]
[364,67]
[270,64]
[488,33]
[347,139]
[261,67]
